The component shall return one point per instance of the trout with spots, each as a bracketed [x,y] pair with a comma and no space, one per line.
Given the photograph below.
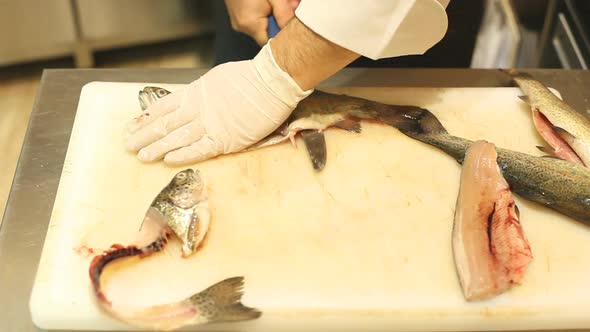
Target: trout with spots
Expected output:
[558,184]
[565,130]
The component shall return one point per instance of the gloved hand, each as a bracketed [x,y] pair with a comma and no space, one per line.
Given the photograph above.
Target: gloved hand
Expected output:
[231,107]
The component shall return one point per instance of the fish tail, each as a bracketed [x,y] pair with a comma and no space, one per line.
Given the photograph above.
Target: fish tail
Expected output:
[221,302]
[218,303]
[412,121]
[422,125]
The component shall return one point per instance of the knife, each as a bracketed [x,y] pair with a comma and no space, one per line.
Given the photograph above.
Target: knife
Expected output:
[314,140]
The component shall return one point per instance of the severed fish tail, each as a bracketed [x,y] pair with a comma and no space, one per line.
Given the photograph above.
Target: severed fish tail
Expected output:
[218,303]
[221,302]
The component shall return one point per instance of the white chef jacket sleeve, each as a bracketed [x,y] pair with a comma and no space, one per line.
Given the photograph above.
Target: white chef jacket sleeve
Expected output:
[377,28]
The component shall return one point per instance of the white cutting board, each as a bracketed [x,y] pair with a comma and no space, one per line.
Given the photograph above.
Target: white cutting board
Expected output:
[366,244]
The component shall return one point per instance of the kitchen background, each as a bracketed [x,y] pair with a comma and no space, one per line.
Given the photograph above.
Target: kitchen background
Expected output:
[40,34]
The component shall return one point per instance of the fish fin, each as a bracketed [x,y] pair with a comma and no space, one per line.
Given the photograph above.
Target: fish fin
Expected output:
[350,124]
[546,149]
[315,142]
[526,99]
[564,134]
[221,302]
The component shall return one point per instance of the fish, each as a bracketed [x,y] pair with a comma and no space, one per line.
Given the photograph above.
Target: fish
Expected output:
[322,110]
[565,130]
[181,211]
[490,250]
[149,94]
[555,183]
[318,112]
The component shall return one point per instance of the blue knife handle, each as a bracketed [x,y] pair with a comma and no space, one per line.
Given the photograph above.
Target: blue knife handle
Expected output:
[273,27]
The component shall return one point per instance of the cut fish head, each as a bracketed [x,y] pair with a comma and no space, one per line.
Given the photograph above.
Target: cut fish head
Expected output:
[150,94]
[186,188]
[184,206]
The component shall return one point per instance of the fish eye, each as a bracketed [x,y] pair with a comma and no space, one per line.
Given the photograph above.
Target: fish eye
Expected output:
[161,92]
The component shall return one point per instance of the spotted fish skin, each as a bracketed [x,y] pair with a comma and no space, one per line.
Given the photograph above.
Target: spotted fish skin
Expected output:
[221,302]
[566,130]
[555,183]
[184,205]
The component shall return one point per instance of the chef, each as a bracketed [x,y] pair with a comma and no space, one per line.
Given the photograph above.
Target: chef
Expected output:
[236,104]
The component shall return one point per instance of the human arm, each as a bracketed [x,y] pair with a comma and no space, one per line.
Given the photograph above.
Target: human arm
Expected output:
[308,57]
[236,104]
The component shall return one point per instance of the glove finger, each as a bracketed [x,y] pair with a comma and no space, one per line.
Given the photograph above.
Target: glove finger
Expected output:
[181,137]
[158,129]
[156,110]
[201,150]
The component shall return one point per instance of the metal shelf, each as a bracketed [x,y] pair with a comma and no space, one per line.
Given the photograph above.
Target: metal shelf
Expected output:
[78,28]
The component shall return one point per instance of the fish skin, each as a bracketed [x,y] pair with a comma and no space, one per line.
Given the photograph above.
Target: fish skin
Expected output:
[557,111]
[180,209]
[490,250]
[555,183]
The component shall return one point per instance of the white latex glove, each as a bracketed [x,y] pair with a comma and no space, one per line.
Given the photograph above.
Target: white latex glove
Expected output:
[231,107]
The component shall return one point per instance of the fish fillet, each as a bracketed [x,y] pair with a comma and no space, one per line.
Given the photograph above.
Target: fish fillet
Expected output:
[490,250]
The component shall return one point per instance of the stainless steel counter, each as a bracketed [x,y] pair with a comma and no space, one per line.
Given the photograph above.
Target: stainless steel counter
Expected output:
[37,175]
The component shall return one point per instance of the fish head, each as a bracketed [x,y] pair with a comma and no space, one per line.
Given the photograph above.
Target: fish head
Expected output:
[183,206]
[186,189]
[150,94]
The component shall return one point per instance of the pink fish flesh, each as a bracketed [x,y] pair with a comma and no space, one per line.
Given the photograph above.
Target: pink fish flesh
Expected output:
[490,250]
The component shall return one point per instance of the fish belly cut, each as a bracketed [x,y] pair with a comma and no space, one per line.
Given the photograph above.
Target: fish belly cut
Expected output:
[561,148]
[490,250]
